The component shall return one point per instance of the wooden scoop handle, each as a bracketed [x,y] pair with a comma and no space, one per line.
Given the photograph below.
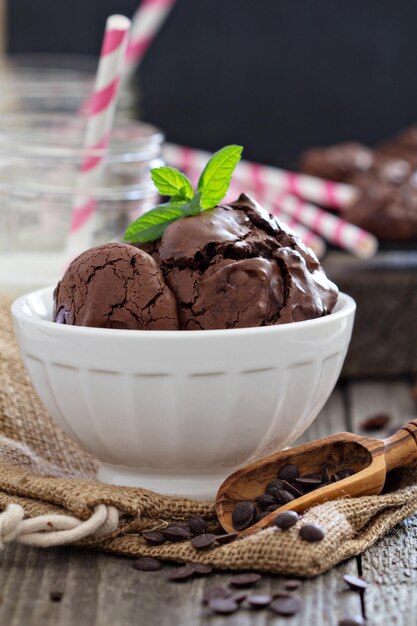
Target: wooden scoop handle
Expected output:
[401,448]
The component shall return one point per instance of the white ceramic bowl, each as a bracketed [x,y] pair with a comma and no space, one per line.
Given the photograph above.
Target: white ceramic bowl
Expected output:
[179,411]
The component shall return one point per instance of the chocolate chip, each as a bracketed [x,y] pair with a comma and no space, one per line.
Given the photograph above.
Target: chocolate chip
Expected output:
[243,515]
[239,596]
[224,606]
[176,532]
[286,519]
[311,532]
[197,525]
[356,583]
[286,606]
[202,542]
[308,483]
[264,501]
[292,489]
[375,422]
[350,621]
[289,472]
[147,564]
[345,473]
[227,538]
[292,584]
[258,601]
[215,592]
[201,569]
[272,508]
[154,537]
[245,580]
[272,487]
[181,574]
[283,497]
[56,596]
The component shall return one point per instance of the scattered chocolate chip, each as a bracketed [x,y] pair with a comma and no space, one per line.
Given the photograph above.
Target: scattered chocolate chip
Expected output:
[56,596]
[147,564]
[215,592]
[197,525]
[224,606]
[177,532]
[289,472]
[201,569]
[286,519]
[227,538]
[243,515]
[350,621]
[311,532]
[355,583]
[259,601]
[154,537]
[286,606]
[180,574]
[375,422]
[283,497]
[245,580]
[202,542]
[292,584]
[264,501]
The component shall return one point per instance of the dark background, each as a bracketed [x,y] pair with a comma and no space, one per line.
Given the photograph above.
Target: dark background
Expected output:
[276,76]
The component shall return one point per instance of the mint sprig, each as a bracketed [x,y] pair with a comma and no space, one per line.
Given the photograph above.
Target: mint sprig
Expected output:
[184,201]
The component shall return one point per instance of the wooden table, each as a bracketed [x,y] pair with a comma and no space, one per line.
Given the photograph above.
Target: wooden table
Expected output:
[69,586]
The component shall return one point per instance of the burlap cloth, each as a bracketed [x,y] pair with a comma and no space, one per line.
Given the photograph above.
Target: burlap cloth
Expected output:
[46,472]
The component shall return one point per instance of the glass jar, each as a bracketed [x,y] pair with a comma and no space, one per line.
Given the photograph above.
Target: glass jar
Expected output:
[39,83]
[40,161]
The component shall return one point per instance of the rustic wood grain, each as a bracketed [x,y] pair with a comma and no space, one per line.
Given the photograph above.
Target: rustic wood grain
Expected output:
[391,564]
[104,590]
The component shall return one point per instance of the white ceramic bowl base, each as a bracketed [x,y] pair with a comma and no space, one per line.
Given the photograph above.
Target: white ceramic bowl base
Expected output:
[175,411]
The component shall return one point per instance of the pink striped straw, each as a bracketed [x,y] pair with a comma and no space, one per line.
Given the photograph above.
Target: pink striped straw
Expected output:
[325,192]
[99,124]
[332,228]
[146,23]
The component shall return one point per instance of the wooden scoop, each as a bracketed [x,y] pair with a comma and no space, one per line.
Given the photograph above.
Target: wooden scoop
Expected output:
[370,459]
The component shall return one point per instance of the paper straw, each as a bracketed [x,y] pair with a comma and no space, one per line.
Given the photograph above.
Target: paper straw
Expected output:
[146,23]
[325,192]
[332,228]
[99,125]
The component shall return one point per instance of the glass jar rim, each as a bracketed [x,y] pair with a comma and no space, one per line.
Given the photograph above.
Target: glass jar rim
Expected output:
[37,136]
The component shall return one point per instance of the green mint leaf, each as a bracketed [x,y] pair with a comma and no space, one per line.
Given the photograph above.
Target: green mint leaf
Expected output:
[216,176]
[171,182]
[152,224]
[194,207]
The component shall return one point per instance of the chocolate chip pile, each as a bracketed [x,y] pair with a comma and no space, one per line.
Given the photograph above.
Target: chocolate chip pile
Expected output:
[288,486]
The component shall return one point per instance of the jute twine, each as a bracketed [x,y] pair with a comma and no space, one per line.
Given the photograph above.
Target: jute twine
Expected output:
[48,496]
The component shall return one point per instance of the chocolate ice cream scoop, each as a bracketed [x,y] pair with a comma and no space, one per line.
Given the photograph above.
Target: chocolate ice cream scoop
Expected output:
[115,286]
[236,266]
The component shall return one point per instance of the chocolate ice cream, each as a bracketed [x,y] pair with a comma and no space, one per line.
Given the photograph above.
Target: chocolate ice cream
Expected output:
[115,286]
[236,266]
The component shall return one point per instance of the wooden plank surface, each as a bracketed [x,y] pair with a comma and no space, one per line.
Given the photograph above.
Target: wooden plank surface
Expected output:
[103,590]
[391,564]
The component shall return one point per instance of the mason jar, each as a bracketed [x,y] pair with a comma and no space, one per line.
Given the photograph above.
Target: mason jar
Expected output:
[39,83]
[40,161]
